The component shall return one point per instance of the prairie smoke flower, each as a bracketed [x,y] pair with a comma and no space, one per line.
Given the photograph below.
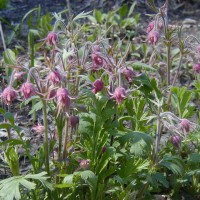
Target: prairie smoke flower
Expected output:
[119,94]
[185,125]
[151,25]
[54,77]
[84,164]
[19,75]
[196,68]
[198,49]
[74,122]
[38,128]
[103,150]
[176,140]
[128,73]
[153,37]
[27,90]
[97,60]
[9,94]
[52,38]
[98,86]
[51,94]
[63,99]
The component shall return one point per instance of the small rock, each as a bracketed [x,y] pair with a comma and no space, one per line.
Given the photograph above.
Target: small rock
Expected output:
[189,21]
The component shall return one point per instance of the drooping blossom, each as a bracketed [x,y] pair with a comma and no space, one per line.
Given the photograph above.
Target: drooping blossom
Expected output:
[153,37]
[84,164]
[151,25]
[119,94]
[96,57]
[51,94]
[196,68]
[63,99]
[98,86]
[128,73]
[176,140]
[55,76]
[27,90]
[103,150]
[185,125]
[52,38]
[74,122]
[8,95]
[19,75]
[38,128]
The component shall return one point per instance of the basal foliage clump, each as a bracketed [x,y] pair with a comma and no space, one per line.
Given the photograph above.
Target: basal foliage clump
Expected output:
[121,129]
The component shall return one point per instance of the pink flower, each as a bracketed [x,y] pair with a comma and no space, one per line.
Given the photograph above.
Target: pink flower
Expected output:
[153,37]
[38,128]
[19,75]
[119,94]
[54,77]
[196,68]
[63,99]
[84,164]
[74,122]
[52,38]
[185,125]
[198,49]
[176,140]
[51,94]
[150,26]
[27,90]
[9,94]
[98,86]
[128,73]
[97,60]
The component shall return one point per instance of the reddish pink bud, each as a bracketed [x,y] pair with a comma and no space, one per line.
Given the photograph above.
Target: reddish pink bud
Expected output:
[52,94]
[153,37]
[27,90]
[176,140]
[52,38]
[103,150]
[196,68]
[19,75]
[185,125]
[128,73]
[55,77]
[97,59]
[84,164]
[119,94]
[98,86]
[74,122]
[9,94]
[150,26]
[38,128]
[63,99]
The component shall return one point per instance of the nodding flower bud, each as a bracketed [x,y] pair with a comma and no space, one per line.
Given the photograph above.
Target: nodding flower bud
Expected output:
[196,68]
[185,125]
[119,94]
[63,99]
[84,164]
[38,128]
[151,25]
[52,38]
[128,73]
[27,90]
[98,86]
[9,94]
[74,122]
[97,60]
[54,77]
[176,140]
[19,75]
[153,37]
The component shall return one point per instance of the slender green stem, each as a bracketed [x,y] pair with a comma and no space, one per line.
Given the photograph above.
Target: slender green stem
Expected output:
[158,132]
[174,80]
[168,64]
[46,144]
[66,139]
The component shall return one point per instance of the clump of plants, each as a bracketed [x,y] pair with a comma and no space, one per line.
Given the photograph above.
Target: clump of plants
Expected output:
[123,125]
